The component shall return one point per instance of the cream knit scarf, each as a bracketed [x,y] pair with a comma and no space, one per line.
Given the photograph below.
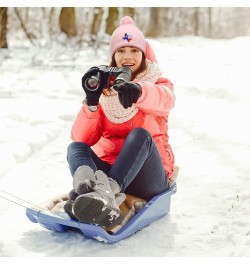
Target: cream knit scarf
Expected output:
[111,105]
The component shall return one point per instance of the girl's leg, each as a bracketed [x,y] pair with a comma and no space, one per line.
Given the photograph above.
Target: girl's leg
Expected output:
[80,154]
[139,169]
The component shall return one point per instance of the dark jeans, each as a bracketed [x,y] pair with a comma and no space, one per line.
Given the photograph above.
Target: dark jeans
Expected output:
[138,168]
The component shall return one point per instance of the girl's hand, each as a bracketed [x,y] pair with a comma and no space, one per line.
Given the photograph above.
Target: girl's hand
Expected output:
[128,93]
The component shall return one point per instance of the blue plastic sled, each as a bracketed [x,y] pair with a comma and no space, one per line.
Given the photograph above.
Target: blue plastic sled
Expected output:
[156,208]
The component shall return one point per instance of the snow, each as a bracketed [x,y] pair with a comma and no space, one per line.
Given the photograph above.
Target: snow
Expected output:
[40,95]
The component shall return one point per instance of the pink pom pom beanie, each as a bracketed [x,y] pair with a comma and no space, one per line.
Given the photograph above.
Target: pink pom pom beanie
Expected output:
[127,34]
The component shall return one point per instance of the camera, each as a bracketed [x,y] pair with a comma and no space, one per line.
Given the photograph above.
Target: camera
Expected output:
[121,75]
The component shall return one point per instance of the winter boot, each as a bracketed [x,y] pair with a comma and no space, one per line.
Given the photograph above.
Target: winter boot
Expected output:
[83,179]
[99,206]
[119,196]
[87,186]
[84,182]
[68,205]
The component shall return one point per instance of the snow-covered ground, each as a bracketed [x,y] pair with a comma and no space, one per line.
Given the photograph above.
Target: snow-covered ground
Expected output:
[40,94]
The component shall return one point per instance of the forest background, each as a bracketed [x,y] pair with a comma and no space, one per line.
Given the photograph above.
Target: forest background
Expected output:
[89,26]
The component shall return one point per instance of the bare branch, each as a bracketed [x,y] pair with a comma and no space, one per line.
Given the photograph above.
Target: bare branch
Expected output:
[29,35]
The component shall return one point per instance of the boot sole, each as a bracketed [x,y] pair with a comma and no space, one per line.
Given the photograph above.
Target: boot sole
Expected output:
[93,211]
[68,209]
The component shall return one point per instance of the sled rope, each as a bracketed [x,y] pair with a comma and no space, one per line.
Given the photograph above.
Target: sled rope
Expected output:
[20,202]
[14,199]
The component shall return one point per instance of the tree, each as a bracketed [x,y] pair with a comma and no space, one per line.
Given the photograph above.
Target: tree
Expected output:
[210,15]
[97,19]
[67,21]
[154,27]
[129,11]
[196,21]
[112,20]
[28,34]
[3,27]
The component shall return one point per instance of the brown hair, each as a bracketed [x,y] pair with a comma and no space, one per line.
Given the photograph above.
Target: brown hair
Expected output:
[142,68]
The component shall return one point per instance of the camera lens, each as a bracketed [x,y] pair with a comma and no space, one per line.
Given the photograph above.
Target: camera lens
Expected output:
[92,83]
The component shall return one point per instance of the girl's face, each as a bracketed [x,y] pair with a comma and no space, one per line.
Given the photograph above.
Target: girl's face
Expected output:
[129,56]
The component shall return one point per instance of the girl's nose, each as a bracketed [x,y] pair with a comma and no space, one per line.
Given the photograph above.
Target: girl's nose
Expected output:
[127,55]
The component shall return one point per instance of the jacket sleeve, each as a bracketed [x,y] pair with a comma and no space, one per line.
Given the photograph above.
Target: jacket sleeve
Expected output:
[157,98]
[87,127]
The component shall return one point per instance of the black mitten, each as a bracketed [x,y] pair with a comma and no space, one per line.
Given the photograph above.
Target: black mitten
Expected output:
[128,93]
[92,96]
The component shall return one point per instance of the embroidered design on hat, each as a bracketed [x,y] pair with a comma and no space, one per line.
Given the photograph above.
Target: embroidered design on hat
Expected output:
[127,37]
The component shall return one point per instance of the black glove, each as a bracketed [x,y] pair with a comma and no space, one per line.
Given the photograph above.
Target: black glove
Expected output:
[128,93]
[92,97]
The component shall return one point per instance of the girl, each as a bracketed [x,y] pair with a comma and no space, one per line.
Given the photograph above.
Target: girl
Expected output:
[120,136]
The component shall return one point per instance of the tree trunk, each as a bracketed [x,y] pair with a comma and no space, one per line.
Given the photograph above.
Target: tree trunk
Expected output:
[154,27]
[196,21]
[210,22]
[97,19]
[129,11]
[112,20]
[3,27]
[67,21]
[28,34]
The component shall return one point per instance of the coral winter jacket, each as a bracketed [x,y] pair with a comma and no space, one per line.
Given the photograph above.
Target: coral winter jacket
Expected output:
[106,138]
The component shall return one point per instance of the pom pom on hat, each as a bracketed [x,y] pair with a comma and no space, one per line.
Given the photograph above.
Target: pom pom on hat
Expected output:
[127,34]
[126,20]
